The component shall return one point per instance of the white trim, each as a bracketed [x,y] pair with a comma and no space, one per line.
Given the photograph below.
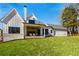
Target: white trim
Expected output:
[20,17]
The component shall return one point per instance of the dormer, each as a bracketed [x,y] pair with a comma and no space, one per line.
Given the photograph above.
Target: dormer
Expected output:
[31,19]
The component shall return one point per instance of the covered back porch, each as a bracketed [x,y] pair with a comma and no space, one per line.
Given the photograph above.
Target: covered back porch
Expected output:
[34,31]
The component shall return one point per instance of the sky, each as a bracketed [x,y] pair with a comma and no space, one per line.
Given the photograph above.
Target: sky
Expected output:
[49,13]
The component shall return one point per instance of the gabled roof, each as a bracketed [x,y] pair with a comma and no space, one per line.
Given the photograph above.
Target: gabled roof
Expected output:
[32,17]
[13,12]
[57,27]
[38,22]
[8,17]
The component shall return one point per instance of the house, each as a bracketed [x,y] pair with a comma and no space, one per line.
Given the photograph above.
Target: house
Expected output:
[57,30]
[16,27]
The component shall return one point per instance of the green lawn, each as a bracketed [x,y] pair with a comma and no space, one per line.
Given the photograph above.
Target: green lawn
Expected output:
[51,46]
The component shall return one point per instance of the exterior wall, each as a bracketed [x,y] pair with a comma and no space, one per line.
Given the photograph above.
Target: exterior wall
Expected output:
[49,31]
[14,22]
[52,34]
[60,33]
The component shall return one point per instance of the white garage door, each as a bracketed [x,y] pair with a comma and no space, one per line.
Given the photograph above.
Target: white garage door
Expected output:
[60,33]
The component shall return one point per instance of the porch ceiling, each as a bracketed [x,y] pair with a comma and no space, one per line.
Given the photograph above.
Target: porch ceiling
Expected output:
[34,25]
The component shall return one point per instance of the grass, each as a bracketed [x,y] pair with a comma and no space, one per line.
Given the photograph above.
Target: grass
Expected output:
[51,46]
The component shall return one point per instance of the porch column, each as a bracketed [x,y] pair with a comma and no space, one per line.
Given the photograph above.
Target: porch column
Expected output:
[25,31]
[44,32]
[41,31]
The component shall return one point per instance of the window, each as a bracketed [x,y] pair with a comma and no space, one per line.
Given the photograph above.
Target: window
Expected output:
[14,30]
[32,21]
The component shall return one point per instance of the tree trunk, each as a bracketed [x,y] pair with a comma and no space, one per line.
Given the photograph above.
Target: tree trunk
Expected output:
[69,31]
[76,29]
[73,32]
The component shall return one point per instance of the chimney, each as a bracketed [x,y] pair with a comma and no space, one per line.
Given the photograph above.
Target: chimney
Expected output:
[25,13]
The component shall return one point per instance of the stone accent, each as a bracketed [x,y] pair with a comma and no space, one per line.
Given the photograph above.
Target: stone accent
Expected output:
[8,37]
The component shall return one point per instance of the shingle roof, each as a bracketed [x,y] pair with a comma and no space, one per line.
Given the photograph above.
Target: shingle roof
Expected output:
[10,15]
[7,17]
[57,27]
[38,22]
[32,17]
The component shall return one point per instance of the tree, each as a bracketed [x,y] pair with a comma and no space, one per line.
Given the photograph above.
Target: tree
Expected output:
[69,20]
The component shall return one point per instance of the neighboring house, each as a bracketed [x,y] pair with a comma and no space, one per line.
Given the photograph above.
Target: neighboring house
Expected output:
[58,30]
[16,27]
